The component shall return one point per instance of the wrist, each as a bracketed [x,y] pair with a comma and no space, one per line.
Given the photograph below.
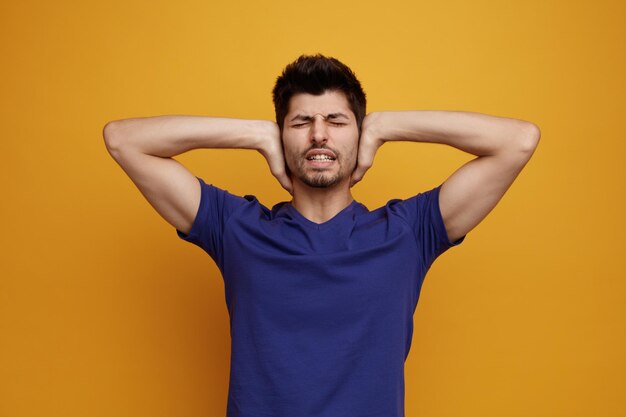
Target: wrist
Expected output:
[374,127]
[265,136]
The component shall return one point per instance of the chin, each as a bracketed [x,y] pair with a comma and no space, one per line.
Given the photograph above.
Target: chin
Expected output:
[321,180]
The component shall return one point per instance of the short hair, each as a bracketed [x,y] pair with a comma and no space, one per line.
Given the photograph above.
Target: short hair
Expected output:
[316,74]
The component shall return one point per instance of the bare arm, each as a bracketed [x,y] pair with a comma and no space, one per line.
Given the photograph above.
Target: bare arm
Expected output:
[144,147]
[503,146]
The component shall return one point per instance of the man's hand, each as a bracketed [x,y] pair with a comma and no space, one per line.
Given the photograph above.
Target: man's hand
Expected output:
[371,139]
[502,145]
[272,150]
[144,148]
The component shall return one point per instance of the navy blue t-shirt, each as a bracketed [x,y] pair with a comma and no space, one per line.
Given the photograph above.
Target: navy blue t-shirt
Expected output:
[321,315]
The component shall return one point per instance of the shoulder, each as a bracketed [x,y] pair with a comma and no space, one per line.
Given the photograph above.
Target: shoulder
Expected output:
[222,203]
[415,205]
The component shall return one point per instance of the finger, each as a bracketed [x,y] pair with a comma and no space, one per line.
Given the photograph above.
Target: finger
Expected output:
[357,175]
[277,168]
[363,164]
[285,182]
[354,179]
[365,158]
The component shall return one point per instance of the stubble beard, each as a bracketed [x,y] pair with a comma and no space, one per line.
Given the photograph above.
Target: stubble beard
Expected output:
[318,177]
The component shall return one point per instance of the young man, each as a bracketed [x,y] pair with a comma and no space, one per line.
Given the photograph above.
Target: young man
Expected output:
[320,290]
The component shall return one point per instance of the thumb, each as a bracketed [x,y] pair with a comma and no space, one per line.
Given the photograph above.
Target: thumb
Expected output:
[278,170]
[357,175]
[364,162]
[285,182]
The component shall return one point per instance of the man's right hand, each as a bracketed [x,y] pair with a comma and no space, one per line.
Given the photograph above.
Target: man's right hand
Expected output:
[144,148]
[272,149]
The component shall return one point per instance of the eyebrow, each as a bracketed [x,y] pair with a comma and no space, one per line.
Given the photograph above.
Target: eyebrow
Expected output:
[328,116]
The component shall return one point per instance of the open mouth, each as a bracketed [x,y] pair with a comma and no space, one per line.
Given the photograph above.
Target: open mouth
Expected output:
[320,155]
[320,158]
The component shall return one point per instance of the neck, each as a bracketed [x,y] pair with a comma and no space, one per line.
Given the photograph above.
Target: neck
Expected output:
[320,204]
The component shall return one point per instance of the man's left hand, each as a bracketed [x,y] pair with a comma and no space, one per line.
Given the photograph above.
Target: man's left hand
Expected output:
[371,139]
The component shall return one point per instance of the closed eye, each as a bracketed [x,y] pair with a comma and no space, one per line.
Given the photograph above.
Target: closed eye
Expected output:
[330,121]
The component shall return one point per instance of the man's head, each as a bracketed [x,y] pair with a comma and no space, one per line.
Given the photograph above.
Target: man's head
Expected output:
[320,107]
[316,74]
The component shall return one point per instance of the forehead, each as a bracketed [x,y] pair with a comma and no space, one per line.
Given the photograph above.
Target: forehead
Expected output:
[329,102]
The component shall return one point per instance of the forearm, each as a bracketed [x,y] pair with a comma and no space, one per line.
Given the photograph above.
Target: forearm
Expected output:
[167,136]
[476,133]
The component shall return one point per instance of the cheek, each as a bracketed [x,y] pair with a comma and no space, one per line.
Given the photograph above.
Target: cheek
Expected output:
[294,145]
[352,159]
[290,154]
[352,151]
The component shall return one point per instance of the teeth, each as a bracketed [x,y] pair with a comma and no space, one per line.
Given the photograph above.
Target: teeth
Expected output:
[320,158]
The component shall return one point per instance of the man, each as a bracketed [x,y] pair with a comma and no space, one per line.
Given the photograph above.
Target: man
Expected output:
[320,290]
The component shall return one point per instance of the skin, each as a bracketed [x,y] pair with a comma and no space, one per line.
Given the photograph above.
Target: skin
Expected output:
[502,146]
[144,149]
[320,188]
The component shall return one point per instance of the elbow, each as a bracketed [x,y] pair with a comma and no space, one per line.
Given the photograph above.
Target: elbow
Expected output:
[529,138]
[111,136]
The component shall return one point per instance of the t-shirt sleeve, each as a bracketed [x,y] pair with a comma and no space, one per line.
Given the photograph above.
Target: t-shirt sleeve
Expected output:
[423,214]
[216,207]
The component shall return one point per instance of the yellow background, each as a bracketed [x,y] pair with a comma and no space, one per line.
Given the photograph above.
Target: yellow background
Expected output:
[105,312]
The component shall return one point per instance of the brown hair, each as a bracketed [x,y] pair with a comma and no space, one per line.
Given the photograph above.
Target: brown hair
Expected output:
[316,74]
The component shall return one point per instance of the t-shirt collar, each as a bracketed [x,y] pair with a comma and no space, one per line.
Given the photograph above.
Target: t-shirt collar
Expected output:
[286,209]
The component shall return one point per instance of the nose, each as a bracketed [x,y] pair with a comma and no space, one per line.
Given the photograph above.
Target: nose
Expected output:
[319,133]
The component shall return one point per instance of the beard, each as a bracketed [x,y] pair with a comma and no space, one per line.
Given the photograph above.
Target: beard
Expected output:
[317,177]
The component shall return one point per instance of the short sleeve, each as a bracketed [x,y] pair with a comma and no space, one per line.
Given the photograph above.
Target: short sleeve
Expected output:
[216,207]
[423,214]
